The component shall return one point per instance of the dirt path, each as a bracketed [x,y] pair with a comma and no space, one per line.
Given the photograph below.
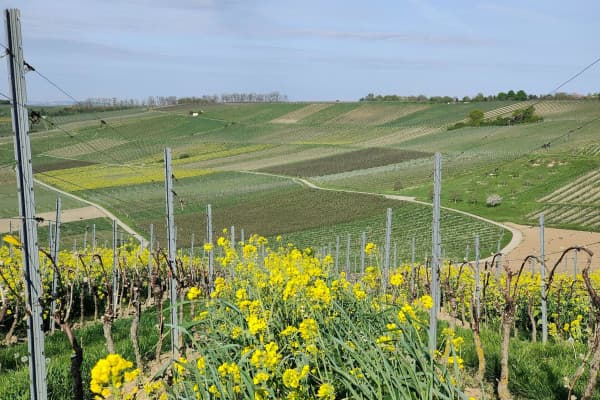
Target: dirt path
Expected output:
[72,215]
[555,242]
[525,239]
[516,233]
[103,211]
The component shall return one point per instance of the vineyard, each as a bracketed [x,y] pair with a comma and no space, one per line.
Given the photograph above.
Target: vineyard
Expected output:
[575,203]
[318,307]
[276,321]
[240,246]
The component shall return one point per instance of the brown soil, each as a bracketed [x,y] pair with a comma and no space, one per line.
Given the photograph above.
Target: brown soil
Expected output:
[72,215]
[555,242]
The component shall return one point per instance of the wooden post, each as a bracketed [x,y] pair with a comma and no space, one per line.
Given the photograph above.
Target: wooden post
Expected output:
[435,253]
[54,249]
[412,266]
[337,254]
[348,257]
[29,237]
[211,272]
[115,269]
[150,250]
[363,244]
[543,282]
[386,256]
[171,247]
[477,279]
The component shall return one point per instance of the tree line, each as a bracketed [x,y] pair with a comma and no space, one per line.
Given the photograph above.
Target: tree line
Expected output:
[511,95]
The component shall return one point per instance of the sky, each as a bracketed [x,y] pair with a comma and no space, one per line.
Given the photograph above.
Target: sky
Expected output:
[306,49]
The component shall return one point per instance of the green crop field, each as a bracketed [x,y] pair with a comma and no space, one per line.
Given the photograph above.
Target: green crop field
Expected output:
[244,160]
[374,147]
[350,161]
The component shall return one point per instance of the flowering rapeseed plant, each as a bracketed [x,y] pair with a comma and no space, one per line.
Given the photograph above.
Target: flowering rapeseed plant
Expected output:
[108,376]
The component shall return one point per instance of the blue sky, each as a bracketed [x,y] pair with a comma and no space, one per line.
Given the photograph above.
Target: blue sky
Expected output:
[309,50]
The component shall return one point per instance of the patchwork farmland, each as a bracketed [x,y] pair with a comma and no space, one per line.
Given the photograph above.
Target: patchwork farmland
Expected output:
[247,161]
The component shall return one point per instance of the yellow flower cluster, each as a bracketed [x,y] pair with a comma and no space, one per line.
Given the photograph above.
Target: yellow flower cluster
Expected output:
[194,293]
[109,374]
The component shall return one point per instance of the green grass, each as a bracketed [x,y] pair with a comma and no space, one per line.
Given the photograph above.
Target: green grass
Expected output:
[14,382]
[45,199]
[536,371]
[520,183]
[74,233]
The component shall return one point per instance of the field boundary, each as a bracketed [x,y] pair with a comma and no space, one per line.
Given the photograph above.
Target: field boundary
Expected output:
[517,236]
[103,210]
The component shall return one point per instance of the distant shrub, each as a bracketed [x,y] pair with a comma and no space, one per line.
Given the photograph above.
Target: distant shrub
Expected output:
[184,155]
[493,200]
[458,125]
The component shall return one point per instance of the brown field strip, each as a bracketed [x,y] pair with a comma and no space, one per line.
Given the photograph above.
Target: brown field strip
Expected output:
[376,114]
[295,116]
[72,215]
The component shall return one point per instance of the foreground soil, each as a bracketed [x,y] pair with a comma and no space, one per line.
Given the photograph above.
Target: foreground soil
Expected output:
[555,241]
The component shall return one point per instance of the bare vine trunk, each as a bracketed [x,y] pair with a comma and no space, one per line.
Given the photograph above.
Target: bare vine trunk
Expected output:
[95,304]
[135,324]
[158,300]
[81,304]
[533,322]
[70,303]
[107,321]
[503,392]
[480,355]
[76,359]
[16,316]
[593,380]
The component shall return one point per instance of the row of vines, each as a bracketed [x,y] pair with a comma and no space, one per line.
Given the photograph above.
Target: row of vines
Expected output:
[280,322]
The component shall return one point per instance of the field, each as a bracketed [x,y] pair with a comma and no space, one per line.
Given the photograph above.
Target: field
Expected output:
[350,161]
[244,160]
[376,147]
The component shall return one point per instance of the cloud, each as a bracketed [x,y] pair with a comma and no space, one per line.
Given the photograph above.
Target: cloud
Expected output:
[89,49]
[414,38]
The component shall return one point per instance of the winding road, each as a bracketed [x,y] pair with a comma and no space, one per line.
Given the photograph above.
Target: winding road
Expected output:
[101,209]
[517,235]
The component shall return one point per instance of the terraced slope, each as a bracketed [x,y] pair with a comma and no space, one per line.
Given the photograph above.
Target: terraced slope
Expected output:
[576,203]
[377,114]
[497,112]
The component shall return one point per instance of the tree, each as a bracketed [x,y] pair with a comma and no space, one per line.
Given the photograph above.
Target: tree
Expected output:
[493,200]
[476,117]
[502,96]
[521,95]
